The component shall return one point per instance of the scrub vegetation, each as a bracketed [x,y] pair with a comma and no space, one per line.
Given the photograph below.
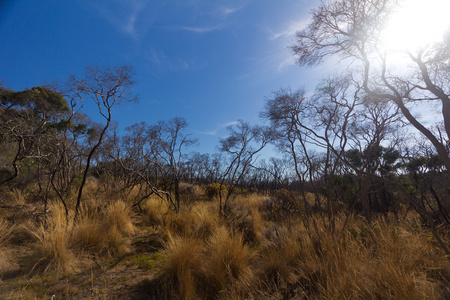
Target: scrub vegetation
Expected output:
[113,251]
[355,205]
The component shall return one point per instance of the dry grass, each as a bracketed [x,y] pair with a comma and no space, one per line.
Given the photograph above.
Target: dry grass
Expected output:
[205,218]
[195,269]
[197,221]
[90,235]
[381,260]
[51,250]
[244,255]
[118,214]
[295,259]
[5,232]
[182,268]
[61,245]
[18,197]
[279,262]
[5,236]
[229,264]
[154,211]
[104,232]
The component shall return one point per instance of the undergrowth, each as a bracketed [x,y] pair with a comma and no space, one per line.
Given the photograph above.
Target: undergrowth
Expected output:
[245,254]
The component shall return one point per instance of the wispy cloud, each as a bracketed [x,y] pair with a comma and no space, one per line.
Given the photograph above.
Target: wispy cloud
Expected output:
[273,61]
[227,11]
[122,14]
[162,62]
[289,30]
[276,55]
[208,16]
[220,127]
[195,29]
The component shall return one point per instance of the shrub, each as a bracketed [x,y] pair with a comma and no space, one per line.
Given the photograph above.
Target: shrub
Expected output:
[281,205]
[188,189]
[247,221]
[213,189]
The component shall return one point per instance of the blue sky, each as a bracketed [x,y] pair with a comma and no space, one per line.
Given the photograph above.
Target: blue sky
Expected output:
[211,62]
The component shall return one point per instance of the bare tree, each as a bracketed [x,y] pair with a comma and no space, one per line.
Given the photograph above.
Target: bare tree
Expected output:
[169,142]
[351,29]
[106,86]
[241,147]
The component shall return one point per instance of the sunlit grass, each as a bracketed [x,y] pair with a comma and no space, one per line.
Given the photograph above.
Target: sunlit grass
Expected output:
[51,250]
[244,254]
[182,268]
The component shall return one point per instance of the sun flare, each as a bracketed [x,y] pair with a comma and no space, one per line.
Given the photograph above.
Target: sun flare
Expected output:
[416,24]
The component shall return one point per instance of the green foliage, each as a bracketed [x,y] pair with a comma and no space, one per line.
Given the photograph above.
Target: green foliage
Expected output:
[41,100]
[375,156]
[147,261]
[422,164]
[354,156]
[46,100]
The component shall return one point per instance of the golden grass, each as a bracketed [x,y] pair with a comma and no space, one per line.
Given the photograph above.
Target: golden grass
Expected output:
[228,263]
[18,197]
[119,215]
[155,210]
[5,232]
[5,236]
[182,268]
[205,218]
[293,258]
[90,235]
[61,245]
[104,232]
[51,251]
[244,255]
[279,259]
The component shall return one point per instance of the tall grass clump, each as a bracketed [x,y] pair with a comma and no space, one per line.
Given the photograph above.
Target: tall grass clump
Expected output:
[5,236]
[51,250]
[382,260]
[204,218]
[228,265]
[182,270]
[197,221]
[246,219]
[18,197]
[104,231]
[5,232]
[279,261]
[154,211]
[118,214]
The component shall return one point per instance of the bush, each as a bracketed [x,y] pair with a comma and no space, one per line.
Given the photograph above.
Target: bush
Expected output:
[212,190]
[189,192]
[281,205]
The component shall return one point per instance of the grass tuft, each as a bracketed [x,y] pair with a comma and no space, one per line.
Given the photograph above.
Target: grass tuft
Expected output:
[182,268]
[51,251]
[229,263]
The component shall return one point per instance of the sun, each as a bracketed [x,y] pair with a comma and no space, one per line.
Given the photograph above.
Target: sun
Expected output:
[416,24]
